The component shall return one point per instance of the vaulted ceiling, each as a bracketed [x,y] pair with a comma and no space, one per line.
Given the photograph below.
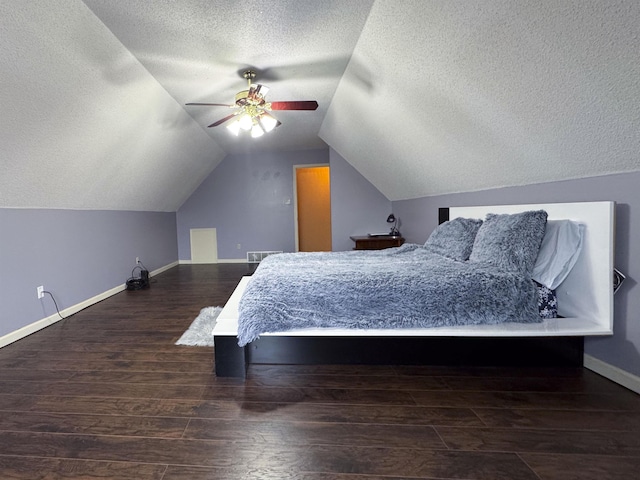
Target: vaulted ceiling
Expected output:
[422,97]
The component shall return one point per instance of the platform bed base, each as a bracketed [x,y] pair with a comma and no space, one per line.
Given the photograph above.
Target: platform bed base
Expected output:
[233,361]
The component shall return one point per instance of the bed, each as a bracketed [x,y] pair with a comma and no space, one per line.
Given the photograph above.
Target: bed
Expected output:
[584,307]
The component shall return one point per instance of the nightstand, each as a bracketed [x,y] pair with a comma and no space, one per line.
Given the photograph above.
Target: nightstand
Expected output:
[376,242]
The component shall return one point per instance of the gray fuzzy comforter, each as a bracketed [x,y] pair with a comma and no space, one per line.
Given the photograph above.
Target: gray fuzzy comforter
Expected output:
[404,287]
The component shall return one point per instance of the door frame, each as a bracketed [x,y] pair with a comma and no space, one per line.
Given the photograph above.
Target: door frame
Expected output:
[295,194]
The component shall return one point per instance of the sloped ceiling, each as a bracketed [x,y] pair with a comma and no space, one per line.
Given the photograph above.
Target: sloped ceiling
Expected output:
[421,97]
[473,95]
[83,125]
[197,50]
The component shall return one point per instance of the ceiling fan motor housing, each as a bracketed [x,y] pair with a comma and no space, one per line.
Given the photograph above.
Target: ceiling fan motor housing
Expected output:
[250,97]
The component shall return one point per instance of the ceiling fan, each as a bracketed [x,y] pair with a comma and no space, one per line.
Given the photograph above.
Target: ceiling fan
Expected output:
[252,112]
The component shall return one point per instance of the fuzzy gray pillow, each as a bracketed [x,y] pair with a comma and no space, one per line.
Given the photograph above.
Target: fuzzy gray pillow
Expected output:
[510,242]
[454,239]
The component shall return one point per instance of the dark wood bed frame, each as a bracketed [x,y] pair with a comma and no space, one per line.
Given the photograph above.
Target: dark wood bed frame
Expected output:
[233,361]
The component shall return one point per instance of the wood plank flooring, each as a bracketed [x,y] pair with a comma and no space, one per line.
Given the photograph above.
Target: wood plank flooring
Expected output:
[105,394]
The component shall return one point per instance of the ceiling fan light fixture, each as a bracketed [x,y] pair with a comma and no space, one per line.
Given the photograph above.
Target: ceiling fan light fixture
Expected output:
[268,122]
[234,127]
[252,109]
[245,122]
[256,130]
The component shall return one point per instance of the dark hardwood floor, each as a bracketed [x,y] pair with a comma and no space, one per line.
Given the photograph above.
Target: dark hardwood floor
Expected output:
[106,394]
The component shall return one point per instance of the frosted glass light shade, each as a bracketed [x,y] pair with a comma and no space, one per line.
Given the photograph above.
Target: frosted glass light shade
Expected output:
[268,122]
[256,131]
[234,127]
[245,122]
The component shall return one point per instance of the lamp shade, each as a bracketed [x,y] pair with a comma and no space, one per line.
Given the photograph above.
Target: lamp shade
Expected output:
[394,229]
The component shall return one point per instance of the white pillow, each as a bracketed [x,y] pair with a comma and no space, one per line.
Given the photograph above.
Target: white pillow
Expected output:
[559,252]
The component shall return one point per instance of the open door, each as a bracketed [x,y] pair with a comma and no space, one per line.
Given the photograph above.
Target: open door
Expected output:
[313,207]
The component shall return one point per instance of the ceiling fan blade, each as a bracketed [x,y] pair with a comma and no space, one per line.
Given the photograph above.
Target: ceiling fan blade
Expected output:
[211,104]
[222,120]
[299,105]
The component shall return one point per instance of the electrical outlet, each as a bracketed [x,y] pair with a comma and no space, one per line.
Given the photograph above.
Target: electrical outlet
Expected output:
[238,246]
[137,260]
[40,291]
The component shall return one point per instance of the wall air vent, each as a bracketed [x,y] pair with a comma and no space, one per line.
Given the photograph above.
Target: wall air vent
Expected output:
[257,257]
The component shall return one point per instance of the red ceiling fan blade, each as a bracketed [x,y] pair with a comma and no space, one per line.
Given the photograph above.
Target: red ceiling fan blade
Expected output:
[300,105]
[222,120]
[211,104]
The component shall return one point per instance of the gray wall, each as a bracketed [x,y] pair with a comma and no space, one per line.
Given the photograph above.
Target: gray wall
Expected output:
[358,207]
[79,254]
[245,200]
[75,254]
[420,217]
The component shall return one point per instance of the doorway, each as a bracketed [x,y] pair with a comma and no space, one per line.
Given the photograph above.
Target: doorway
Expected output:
[312,193]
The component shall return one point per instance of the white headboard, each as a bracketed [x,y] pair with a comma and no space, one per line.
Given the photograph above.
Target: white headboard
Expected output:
[587,293]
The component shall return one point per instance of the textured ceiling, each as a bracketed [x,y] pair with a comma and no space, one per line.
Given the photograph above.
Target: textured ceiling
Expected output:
[83,124]
[475,95]
[421,97]
[197,49]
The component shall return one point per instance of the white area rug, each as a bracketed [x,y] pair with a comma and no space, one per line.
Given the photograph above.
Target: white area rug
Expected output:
[200,333]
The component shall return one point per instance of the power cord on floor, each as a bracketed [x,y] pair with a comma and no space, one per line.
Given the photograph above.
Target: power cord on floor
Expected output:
[143,281]
[151,280]
[55,303]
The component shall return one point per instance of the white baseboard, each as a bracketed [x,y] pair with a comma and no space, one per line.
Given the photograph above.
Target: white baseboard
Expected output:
[220,260]
[615,374]
[164,269]
[51,319]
